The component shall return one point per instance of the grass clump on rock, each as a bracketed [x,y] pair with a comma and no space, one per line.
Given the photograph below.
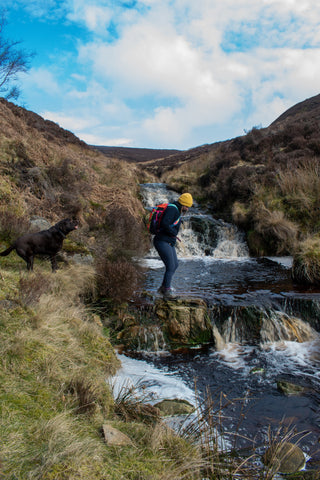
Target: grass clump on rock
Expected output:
[306,262]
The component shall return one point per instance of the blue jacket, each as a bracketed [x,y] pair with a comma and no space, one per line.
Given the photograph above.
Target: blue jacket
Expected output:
[170,224]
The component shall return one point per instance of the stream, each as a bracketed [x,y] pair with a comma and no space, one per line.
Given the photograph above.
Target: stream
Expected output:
[214,264]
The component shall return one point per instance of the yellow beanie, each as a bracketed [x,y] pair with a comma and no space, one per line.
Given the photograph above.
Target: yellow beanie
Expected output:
[186,200]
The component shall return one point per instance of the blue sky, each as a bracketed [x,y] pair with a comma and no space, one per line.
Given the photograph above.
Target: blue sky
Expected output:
[165,73]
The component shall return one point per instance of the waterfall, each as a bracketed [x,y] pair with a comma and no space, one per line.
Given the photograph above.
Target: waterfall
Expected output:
[278,326]
[200,235]
[230,243]
[252,325]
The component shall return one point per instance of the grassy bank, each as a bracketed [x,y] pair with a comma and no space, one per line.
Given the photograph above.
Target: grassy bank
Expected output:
[55,360]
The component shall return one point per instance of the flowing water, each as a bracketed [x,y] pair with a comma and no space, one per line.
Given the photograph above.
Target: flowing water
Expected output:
[215,265]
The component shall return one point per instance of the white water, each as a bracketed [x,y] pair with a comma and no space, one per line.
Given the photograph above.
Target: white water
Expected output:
[154,383]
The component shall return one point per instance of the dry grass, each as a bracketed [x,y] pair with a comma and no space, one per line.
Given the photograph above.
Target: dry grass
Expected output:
[276,450]
[300,189]
[273,225]
[130,405]
[223,457]
[306,262]
[54,362]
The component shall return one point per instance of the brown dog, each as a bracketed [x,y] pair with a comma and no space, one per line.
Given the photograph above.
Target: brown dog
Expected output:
[47,242]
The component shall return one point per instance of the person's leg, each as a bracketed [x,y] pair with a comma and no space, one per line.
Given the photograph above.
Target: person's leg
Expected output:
[168,255]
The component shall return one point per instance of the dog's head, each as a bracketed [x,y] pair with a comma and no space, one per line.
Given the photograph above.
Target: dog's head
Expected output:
[67,225]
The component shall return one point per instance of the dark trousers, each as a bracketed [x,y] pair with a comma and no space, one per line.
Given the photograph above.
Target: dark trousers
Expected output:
[168,255]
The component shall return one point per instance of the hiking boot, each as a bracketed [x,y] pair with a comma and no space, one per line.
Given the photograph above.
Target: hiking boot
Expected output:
[167,292]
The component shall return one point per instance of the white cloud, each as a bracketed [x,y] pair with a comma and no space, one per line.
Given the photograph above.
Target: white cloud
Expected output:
[73,123]
[42,79]
[96,16]
[92,139]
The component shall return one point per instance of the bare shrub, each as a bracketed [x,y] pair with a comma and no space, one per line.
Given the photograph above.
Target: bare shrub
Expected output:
[117,278]
[65,173]
[31,287]
[71,204]
[125,229]
[12,226]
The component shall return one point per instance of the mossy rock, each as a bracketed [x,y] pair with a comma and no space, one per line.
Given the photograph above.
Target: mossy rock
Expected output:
[175,406]
[289,388]
[284,458]
[185,321]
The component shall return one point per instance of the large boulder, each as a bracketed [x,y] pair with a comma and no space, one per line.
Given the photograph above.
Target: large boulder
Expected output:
[185,321]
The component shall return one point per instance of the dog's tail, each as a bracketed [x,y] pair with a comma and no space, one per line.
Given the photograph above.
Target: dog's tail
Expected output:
[6,252]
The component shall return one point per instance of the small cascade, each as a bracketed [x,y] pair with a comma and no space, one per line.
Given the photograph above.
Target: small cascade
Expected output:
[200,235]
[150,339]
[278,326]
[230,243]
[220,342]
[257,325]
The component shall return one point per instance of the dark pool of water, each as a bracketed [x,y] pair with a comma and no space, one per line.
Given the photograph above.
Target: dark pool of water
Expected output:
[254,405]
[232,282]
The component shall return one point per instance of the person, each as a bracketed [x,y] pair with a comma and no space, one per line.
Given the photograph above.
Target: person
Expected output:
[165,240]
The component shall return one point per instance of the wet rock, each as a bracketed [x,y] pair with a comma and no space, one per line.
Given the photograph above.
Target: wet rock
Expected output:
[289,388]
[114,437]
[175,406]
[140,337]
[284,458]
[185,320]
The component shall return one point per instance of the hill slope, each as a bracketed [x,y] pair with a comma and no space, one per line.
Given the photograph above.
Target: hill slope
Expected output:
[135,155]
[47,171]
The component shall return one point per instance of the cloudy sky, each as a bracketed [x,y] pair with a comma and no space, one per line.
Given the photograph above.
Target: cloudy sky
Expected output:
[165,73]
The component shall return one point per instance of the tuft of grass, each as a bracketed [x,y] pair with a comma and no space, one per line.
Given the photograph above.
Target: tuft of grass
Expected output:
[49,343]
[130,405]
[279,232]
[306,262]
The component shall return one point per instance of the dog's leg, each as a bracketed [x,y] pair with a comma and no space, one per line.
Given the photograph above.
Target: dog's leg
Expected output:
[30,263]
[54,265]
[26,258]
